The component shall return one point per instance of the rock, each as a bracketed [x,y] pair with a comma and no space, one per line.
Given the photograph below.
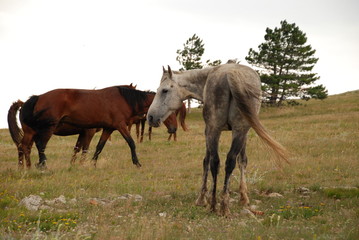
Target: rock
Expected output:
[56,201]
[32,202]
[61,200]
[162,214]
[97,201]
[73,201]
[275,195]
[253,207]
[138,198]
[127,196]
[45,207]
[245,212]
[303,191]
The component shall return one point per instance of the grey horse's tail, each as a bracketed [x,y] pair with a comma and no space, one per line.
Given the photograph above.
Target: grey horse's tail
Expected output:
[15,131]
[246,96]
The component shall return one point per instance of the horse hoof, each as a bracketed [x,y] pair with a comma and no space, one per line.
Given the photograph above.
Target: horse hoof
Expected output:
[138,165]
[41,166]
[225,212]
[201,202]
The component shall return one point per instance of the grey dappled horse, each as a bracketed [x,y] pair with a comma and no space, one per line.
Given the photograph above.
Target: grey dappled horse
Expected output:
[231,96]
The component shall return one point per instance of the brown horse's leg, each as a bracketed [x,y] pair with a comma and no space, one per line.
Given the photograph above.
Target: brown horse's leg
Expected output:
[77,148]
[106,133]
[27,152]
[169,137]
[138,131]
[149,133]
[143,123]
[24,149]
[201,200]
[175,136]
[20,153]
[126,135]
[88,135]
[41,142]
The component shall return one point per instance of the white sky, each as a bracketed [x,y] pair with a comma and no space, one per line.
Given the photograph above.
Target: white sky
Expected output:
[48,44]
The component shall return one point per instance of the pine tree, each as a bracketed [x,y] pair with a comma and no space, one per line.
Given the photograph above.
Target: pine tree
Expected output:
[285,62]
[190,57]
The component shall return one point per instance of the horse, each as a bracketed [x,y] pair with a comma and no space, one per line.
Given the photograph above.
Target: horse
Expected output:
[170,123]
[63,129]
[182,116]
[231,96]
[109,108]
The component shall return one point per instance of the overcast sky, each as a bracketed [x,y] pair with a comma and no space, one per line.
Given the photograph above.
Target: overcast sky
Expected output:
[47,44]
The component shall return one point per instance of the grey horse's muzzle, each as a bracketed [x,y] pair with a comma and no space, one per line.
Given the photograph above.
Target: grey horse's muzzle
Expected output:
[153,122]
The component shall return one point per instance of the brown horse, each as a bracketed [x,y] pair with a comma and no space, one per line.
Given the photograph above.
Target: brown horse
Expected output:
[63,129]
[173,118]
[109,108]
[170,123]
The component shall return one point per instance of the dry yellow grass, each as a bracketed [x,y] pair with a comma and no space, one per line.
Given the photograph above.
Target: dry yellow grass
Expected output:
[322,137]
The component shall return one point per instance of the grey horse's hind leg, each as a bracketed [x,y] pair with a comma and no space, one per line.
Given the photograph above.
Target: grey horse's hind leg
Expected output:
[237,148]
[201,200]
[242,163]
[212,139]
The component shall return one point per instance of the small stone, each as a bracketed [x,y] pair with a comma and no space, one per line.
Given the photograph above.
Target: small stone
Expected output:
[138,198]
[275,195]
[162,214]
[32,202]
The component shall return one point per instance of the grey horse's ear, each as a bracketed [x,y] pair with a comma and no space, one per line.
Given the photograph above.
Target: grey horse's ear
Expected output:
[164,70]
[169,71]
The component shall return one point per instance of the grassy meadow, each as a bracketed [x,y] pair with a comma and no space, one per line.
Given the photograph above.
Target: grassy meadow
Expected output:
[315,197]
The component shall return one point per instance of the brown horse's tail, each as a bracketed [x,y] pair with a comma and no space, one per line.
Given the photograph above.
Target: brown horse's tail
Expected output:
[247,96]
[182,117]
[15,131]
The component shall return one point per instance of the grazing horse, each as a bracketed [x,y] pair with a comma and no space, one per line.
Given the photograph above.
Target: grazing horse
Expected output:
[63,129]
[231,96]
[173,118]
[170,123]
[109,108]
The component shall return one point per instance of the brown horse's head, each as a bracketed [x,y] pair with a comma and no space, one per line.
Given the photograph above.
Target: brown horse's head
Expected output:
[171,123]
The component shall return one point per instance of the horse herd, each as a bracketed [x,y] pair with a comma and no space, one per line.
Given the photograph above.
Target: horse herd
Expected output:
[65,112]
[231,94]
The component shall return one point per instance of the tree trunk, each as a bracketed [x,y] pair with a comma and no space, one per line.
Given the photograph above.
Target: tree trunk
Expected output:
[189,105]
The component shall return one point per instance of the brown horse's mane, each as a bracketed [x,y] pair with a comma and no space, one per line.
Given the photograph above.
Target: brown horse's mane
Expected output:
[135,98]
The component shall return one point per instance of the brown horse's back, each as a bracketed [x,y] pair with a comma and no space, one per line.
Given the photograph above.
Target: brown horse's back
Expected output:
[83,108]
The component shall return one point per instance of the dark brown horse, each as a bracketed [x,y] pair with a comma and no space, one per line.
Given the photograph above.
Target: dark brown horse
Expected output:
[63,129]
[109,108]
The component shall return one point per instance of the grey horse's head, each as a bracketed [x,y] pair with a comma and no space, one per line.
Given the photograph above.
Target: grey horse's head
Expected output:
[169,98]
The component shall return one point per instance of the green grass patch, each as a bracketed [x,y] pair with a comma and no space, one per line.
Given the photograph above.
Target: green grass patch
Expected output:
[340,193]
